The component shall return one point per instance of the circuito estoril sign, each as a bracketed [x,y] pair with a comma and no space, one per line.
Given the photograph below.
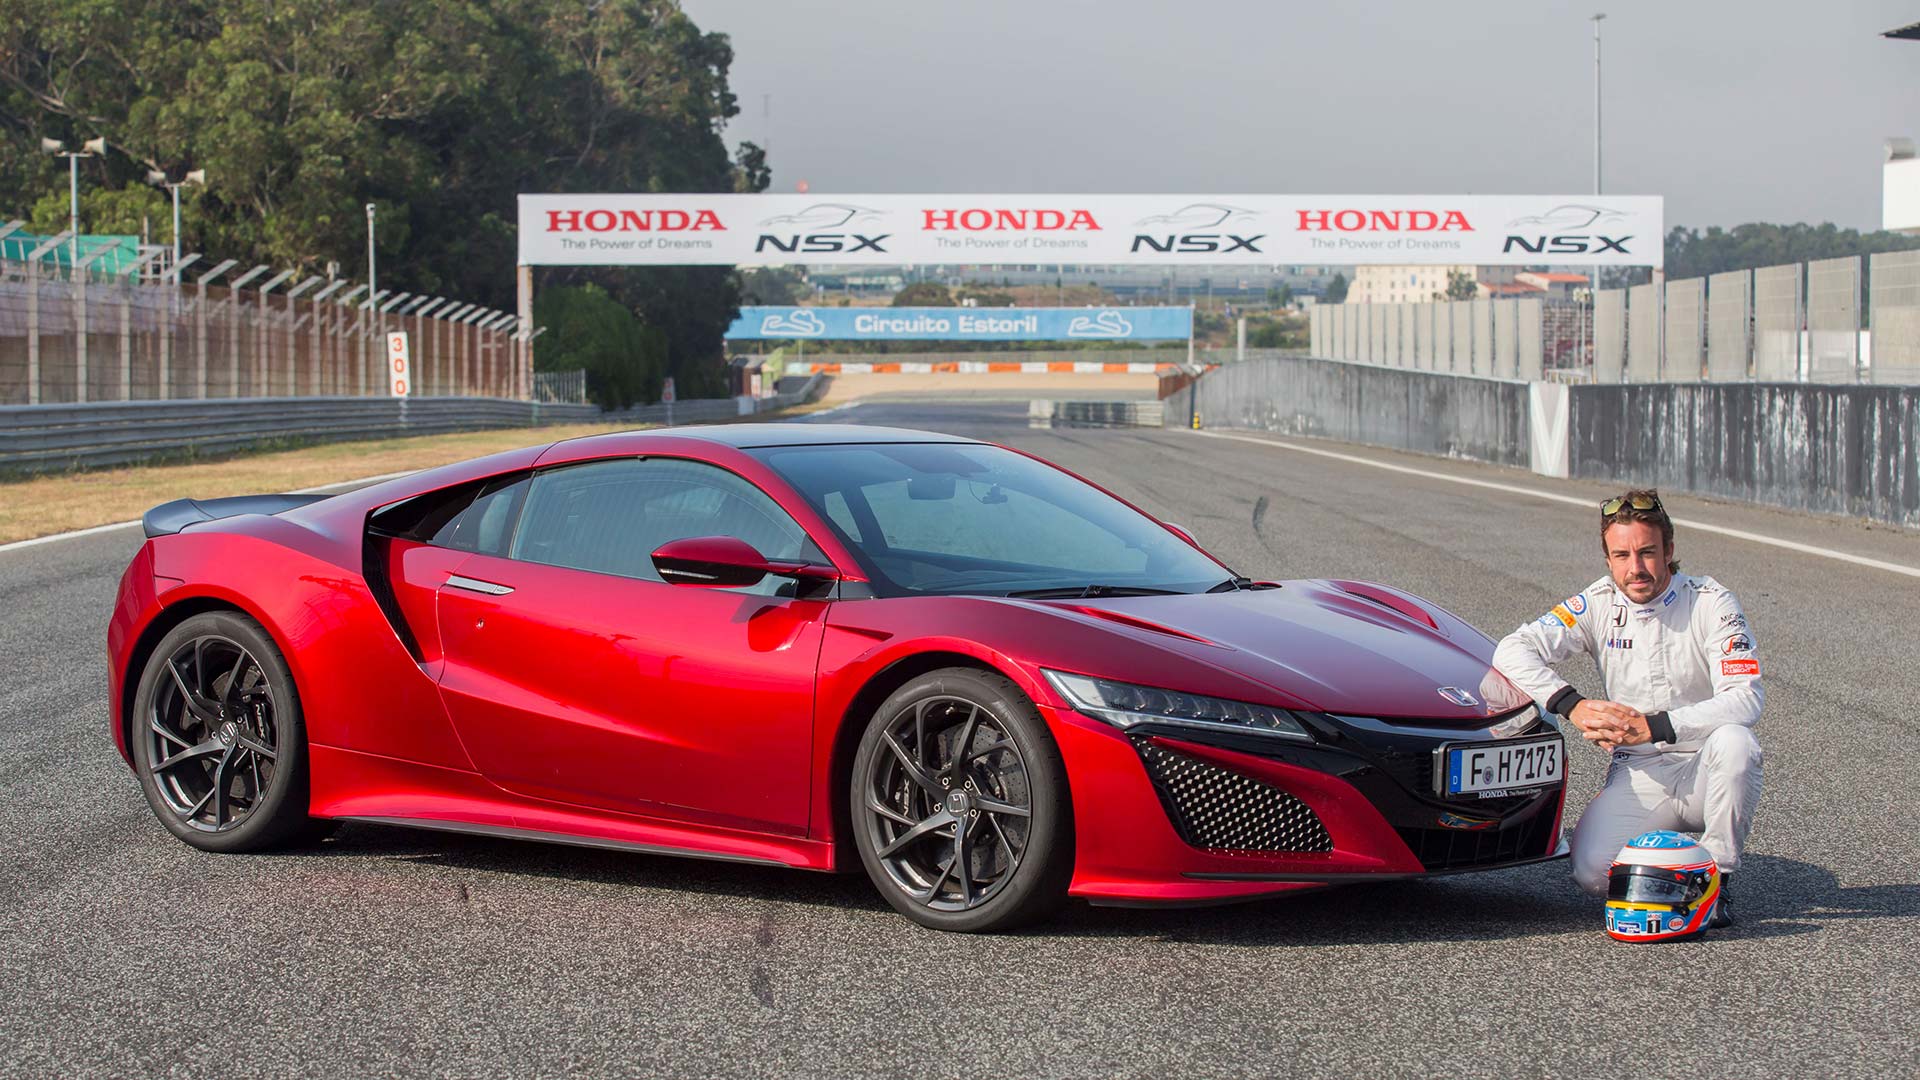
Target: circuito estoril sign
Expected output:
[1612,230]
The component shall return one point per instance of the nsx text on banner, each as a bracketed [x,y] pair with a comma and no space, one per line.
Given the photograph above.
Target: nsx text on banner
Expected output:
[588,230]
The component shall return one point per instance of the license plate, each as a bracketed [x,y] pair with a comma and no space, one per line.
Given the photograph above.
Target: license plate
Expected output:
[1490,770]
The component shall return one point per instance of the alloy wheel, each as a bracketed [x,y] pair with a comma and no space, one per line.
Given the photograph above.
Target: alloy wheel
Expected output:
[212,734]
[948,803]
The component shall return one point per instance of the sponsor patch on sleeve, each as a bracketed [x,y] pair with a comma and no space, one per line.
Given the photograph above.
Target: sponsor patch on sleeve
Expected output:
[1738,643]
[1560,612]
[1577,603]
[1739,667]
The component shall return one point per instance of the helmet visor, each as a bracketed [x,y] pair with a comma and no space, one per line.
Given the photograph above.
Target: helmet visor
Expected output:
[1660,887]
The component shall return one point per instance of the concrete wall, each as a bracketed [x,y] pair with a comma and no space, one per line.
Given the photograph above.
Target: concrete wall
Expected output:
[1834,449]
[1843,449]
[1432,413]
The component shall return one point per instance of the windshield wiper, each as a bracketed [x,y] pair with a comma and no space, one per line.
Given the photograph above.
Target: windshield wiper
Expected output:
[1232,584]
[1088,592]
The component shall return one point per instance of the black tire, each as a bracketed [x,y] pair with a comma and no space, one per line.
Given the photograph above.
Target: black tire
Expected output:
[219,742]
[1004,806]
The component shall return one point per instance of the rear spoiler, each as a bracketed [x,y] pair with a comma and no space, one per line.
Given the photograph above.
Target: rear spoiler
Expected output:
[170,517]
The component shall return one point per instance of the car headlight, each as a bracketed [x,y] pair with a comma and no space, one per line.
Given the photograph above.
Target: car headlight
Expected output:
[1123,705]
[1515,724]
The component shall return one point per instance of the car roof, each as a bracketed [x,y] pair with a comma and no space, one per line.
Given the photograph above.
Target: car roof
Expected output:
[749,436]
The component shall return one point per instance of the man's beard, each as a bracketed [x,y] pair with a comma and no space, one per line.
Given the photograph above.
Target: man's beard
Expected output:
[1650,583]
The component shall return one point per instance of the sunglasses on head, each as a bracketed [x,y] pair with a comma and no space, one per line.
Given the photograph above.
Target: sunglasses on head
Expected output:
[1620,502]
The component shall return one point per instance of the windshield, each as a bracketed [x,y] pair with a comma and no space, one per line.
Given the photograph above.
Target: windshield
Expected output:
[966,518]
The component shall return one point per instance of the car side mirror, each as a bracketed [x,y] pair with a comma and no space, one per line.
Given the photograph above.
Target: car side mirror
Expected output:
[726,562]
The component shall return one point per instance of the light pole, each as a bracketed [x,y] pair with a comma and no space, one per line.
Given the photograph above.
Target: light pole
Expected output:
[1593,279]
[197,176]
[87,149]
[373,283]
[1596,100]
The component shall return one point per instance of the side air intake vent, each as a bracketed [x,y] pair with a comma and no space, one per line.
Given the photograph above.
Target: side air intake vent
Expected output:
[1217,808]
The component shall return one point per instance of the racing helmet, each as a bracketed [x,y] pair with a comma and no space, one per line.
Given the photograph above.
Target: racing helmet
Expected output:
[1662,886]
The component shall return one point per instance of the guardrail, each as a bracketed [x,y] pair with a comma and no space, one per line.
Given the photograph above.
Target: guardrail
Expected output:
[44,438]
[1045,413]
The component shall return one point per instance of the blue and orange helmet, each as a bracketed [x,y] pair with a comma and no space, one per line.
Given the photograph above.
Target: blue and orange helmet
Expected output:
[1663,886]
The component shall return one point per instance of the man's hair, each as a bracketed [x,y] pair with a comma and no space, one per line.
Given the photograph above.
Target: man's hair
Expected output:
[1656,517]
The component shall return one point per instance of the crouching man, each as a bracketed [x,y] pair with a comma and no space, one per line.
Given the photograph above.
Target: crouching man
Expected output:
[1680,693]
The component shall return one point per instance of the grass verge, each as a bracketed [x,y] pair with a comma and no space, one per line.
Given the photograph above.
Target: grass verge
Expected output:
[44,505]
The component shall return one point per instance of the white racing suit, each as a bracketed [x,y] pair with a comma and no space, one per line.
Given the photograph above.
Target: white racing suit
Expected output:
[1687,659]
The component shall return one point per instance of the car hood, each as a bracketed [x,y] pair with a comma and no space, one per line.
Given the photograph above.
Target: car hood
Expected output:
[1341,647]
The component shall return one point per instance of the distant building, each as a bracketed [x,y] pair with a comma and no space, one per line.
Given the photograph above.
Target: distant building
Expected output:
[1900,176]
[1400,284]
[1419,284]
[1552,286]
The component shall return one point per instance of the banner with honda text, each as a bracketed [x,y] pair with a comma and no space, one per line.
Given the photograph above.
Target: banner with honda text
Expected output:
[762,230]
[963,324]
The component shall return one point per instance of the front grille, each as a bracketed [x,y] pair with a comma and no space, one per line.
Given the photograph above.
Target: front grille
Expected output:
[1212,807]
[1413,770]
[1442,848]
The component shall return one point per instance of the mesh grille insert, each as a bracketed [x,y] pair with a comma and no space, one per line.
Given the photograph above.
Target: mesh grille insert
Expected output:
[1213,807]
[1456,849]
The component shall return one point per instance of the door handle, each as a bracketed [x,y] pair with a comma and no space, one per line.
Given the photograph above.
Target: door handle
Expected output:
[476,585]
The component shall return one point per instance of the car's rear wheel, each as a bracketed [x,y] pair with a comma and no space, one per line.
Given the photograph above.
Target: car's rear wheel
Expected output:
[217,737]
[959,804]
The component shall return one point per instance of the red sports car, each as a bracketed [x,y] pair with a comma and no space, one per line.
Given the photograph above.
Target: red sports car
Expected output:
[988,682]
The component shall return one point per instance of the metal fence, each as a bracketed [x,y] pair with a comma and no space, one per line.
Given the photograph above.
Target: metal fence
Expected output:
[1682,338]
[1779,311]
[1894,278]
[1504,338]
[1609,335]
[1846,320]
[1729,315]
[1643,333]
[78,335]
[44,438]
[1833,320]
[560,387]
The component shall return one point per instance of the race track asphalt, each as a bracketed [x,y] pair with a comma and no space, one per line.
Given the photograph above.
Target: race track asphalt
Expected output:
[391,952]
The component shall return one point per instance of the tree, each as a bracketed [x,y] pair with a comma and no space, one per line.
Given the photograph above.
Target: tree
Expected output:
[986,297]
[1693,253]
[588,330]
[773,285]
[1461,285]
[1336,289]
[923,294]
[439,112]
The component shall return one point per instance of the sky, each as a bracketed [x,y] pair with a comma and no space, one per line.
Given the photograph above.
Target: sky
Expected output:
[1763,110]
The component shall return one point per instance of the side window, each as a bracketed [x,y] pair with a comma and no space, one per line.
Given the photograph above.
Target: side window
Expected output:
[485,526]
[610,516]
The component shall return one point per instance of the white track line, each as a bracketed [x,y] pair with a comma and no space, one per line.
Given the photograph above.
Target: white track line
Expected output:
[804,417]
[77,533]
[1571,500]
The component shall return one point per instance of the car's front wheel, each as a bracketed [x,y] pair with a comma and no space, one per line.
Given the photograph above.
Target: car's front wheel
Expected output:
[959,804]
[217,737]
